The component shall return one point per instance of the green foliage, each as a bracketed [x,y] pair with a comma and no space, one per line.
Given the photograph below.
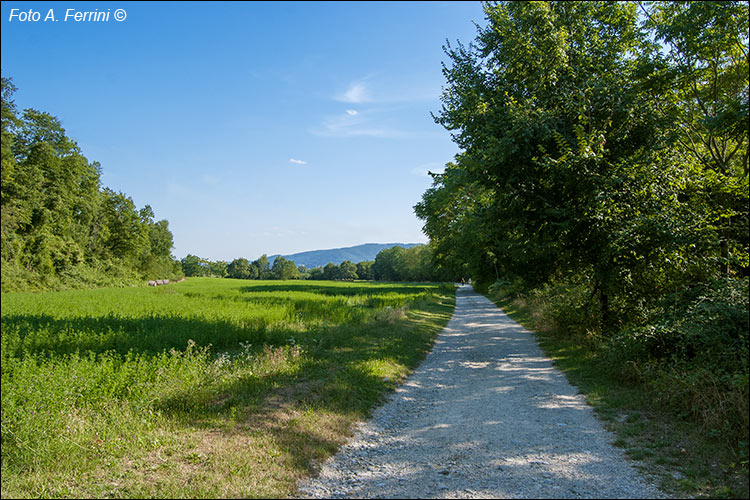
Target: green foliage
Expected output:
[364,270]
[59,228]
[219,268]
[263,266]
[415,263]
[602,185]
[330,271]
[703,91]
[192,266]
[706,325]
[240,269]
[315,273]
[347,270]
[387,264]
[283,269]
[591,155]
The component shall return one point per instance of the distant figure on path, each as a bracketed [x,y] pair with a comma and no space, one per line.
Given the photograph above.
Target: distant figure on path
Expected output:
[462,282]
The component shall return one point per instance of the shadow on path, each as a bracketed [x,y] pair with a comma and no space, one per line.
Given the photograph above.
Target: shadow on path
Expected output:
[486,415]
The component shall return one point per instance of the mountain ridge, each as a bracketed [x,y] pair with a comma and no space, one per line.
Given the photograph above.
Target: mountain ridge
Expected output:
[356,254]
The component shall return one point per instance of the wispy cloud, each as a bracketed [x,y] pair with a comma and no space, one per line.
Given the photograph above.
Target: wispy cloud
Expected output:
[356,93]
[358,124]
[394,88]
[378,121]
[298,162]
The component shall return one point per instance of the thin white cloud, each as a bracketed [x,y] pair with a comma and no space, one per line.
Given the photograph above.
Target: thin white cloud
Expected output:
[298,162]
[394,88]
[368,123]
[352,112]
[356,93]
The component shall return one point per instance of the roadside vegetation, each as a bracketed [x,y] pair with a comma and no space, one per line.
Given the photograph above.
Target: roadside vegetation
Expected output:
[205,388]
[683,418]
[602,188]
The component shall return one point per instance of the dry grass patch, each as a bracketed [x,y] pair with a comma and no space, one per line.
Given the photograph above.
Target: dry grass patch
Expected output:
[260,454]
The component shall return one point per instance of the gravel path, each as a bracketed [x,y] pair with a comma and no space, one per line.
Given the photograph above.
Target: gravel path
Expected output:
[486,415]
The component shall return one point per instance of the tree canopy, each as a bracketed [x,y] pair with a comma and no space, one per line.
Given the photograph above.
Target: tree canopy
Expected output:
[599,146]
[60,227]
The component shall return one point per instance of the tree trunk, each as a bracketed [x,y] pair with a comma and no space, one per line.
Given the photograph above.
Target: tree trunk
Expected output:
[724,254]
[724,235]
[604,309]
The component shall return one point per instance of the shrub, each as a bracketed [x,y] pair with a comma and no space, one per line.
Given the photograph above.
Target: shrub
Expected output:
[706,326]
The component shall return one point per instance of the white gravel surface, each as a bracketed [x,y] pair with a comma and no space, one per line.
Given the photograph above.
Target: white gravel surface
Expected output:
[486,415]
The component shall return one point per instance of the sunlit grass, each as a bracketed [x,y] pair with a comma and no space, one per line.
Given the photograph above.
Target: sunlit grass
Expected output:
[213,388]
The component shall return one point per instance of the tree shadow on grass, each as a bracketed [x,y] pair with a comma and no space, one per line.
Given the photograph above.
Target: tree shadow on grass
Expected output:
[308,418]
[41,334]
[343,288]
[310,415]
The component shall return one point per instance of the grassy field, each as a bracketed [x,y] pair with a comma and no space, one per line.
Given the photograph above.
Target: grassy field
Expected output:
[206,388]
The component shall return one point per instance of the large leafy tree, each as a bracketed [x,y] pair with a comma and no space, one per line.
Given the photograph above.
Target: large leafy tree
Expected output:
[542,108]
[454,211]
[386,265]
[263,266]
[192,265]
[240,269]
[364,270]
[570,163]
[348,270]
[330,271]
[699,78]
[284,269]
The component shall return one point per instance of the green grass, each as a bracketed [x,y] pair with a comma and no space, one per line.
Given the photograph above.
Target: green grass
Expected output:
[687,461]
[206,388]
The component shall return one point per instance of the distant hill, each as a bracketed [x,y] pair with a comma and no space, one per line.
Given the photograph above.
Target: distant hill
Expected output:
[356,254]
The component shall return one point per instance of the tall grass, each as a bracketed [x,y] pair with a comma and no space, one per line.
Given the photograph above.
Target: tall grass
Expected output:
[204,388]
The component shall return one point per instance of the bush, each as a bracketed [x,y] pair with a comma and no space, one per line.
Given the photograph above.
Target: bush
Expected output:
[693,357]
[705,326]
[690,354]
[718,401]
[565,308]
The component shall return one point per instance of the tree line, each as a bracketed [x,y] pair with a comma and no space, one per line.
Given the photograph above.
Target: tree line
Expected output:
[60,227]
[390,264]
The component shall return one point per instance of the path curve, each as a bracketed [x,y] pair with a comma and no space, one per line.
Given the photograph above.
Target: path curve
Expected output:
[486,415]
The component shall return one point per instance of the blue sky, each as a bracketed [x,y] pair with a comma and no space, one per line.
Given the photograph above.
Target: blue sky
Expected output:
[258,127]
